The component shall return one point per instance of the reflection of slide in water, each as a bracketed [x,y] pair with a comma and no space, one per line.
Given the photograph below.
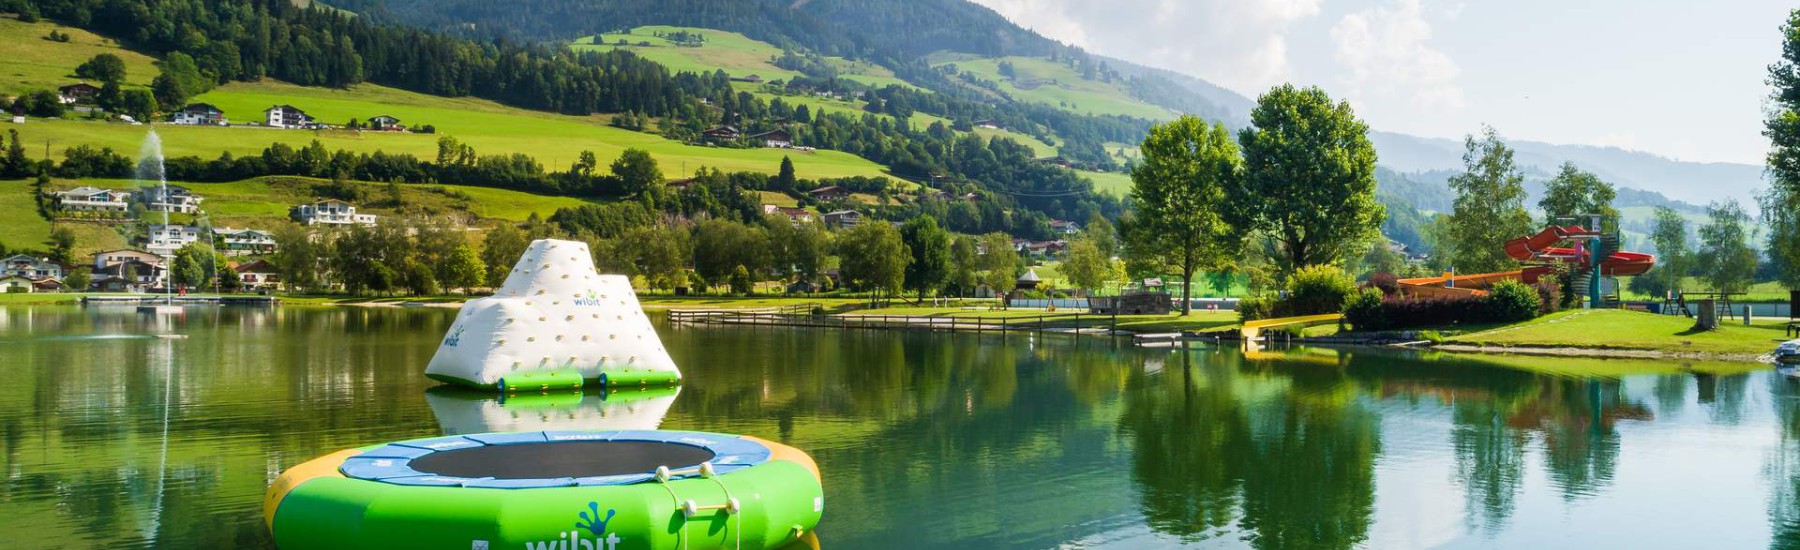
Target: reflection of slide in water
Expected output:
[464,411]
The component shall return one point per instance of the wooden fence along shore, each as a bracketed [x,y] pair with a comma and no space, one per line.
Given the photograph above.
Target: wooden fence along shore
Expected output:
[803,316]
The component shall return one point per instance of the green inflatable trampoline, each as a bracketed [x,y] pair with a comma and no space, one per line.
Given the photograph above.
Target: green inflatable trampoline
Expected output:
[551,490]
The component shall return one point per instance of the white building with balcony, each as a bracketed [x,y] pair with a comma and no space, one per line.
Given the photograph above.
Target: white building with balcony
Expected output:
[92,199]
[170,198]
[244,242]
[164,240]
[330,212]
[30,267]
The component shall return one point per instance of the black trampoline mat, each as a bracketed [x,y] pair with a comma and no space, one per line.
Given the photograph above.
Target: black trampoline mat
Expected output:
[561,459]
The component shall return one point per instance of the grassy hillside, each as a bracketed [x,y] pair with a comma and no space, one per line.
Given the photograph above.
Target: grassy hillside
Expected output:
[556,140]
[30,62]
[1044,81]
[1117,184]
[24,228]
[736,54]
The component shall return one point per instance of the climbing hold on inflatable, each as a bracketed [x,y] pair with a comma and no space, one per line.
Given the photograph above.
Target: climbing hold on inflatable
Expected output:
[543,331]
[566,490]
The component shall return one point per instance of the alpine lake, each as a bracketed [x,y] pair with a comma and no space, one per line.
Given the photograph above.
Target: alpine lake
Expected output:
[117,438]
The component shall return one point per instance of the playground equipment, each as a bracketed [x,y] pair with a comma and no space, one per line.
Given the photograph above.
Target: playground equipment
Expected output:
[1541,251]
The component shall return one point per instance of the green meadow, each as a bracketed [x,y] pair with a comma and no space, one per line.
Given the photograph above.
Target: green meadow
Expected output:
[736,54]
[1051,83]
[30,62]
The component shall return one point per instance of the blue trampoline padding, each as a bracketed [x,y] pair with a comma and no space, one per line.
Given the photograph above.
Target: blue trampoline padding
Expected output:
[626,479]
[378,468]
[519,483]
[429,481]
[509,439]
[450,443]
[395,451]
[391,463]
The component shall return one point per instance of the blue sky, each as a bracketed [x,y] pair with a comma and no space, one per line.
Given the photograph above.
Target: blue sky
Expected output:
[1679,79]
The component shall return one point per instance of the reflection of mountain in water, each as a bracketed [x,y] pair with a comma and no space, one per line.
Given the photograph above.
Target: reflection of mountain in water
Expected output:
[462,411]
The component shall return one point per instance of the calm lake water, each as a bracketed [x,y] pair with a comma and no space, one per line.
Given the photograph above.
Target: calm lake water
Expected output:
[115,439]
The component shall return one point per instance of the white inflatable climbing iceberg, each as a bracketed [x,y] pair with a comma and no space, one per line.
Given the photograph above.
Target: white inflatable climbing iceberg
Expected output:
[555,323]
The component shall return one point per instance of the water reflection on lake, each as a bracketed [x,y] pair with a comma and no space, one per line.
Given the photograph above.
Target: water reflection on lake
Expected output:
[114,437]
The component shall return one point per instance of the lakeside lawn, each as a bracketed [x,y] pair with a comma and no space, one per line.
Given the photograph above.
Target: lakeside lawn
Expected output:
[1611,329]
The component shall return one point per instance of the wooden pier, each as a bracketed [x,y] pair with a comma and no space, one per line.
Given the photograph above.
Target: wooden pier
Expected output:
[151,299]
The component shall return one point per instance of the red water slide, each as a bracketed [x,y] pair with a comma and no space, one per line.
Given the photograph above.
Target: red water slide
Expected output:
[1541,247]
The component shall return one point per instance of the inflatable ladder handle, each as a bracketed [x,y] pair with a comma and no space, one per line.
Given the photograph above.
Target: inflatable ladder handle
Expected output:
[689,508]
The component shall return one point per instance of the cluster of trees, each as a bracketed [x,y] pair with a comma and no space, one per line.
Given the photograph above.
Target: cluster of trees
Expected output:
[1301,190]
[418,257]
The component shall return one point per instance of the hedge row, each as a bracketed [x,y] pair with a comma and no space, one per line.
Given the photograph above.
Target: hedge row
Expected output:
[1507,302]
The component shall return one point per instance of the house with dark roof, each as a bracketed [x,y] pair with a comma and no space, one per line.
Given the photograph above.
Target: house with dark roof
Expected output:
[842,219]
[829,193]
[777,138]
[79,92]
[384,123]
[198,114]
[753,79]
[721,133]
[287,116]
[796,215]
[257,275]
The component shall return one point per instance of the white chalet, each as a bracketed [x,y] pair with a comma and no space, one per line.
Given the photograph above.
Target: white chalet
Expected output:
[30,267]
[242,242]
[164,240]
[330,212]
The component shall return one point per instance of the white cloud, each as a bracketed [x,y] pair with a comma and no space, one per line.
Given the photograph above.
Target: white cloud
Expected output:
[1388,55]
[1238,44]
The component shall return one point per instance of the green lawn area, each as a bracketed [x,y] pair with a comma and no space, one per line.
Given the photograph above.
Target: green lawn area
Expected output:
[1759,292]
[37,298]
[1631,330]
[1038,147]
[1057,85]
[28,62]
[24,228]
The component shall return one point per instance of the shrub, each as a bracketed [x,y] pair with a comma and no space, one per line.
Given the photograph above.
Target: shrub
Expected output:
[1318,289]
[1386,282]
[1254,308]
[1366,311]
[1550,295]
[1432,336]
[1512,301]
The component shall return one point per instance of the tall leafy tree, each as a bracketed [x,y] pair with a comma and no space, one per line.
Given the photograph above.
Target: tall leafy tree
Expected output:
[721,246]
[1575,192]
[1673,260]
[1308,180]
[637,172]
[464,269]
[873,257]
[1781,202]
[929,267]
[1489,208]
[1087,266]
[964,271]
[500,249]
[106,68]
[998,263]
[1179,191]
[1725,258]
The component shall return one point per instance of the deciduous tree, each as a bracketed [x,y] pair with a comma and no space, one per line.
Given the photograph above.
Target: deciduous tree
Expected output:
[929,244]
[873,257]
[1781,202]
[1308,178]
[1575,192]
[1179,190]
[1489,208]
[1725,257]
[1673,259]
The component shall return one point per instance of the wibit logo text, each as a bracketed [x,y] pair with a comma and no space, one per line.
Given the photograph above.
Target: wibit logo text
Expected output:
[589,534]
[591,299]
[455,337]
